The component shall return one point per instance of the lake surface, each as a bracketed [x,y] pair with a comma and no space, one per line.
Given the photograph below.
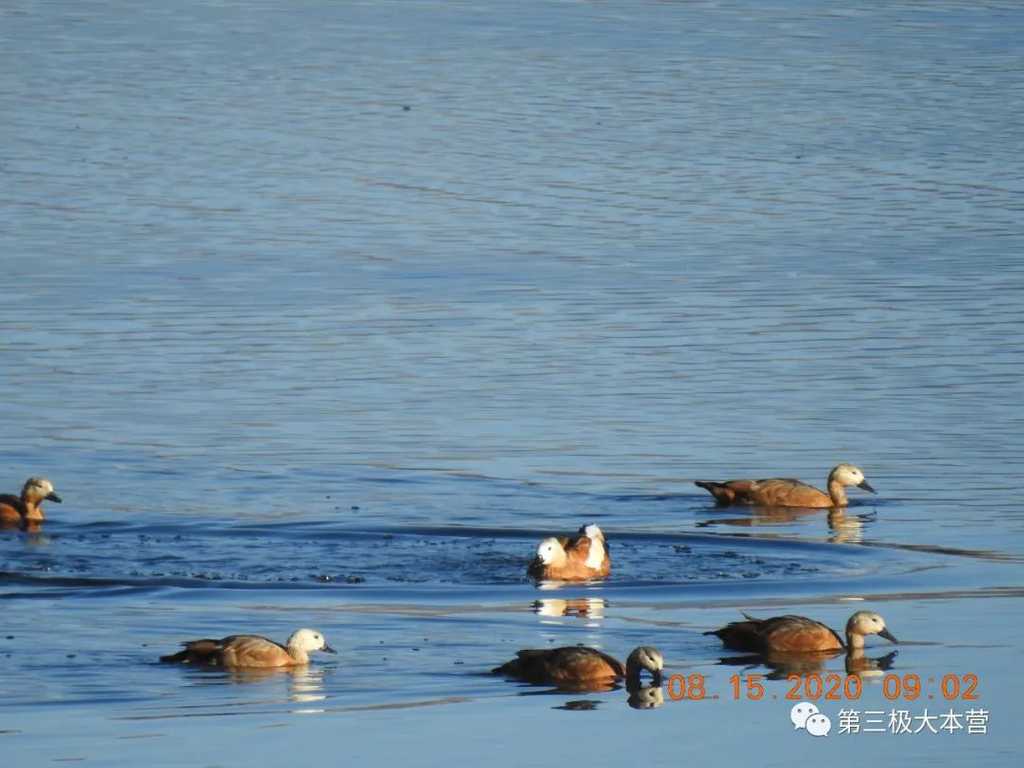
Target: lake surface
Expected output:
[324,314]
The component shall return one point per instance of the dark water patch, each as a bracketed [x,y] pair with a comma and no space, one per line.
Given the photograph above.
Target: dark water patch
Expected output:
[326,553]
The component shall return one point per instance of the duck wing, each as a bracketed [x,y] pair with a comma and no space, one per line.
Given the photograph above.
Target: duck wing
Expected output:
[227,650]
[798,633]
[568,664]
[785,492]
[741,635]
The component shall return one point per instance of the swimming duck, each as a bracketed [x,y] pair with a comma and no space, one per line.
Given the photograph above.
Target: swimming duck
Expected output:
[580,665]
[579,559]
[800,634]
[251,651]
[27,508]
[787,492]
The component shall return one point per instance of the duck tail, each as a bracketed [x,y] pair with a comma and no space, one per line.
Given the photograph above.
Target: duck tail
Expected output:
[508,668]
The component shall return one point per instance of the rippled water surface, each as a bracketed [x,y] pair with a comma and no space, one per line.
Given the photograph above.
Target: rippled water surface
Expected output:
[324,314]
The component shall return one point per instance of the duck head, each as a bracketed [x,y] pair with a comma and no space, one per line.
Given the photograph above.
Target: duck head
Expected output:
[864,623]
[848,474]
[37,489]
[307,640]
[644,657]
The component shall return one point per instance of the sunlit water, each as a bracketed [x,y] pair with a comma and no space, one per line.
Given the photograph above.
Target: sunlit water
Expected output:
[324,314]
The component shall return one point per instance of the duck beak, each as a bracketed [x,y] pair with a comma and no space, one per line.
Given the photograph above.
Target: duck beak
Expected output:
[888,636]
[656,678]
[866,486]
[328,649]
[52,496]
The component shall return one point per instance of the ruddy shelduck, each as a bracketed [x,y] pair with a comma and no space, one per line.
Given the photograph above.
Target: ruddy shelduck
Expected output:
[28,507]
[796,634]
[585,557]
[580,665]
[787,492]
[251,651]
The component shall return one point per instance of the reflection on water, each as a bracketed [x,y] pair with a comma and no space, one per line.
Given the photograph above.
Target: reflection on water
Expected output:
[857,663]
[579,607]
[842,526]
[306,686]
[846,528]
[781,665]
[579,705]
[651,696]
[305,682]
[646,697]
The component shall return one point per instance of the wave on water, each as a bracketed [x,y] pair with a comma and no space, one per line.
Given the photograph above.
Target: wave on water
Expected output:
[302,554]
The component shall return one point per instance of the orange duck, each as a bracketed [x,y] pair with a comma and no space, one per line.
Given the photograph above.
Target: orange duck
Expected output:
[798,634]
[251,651]
[27,508]
[580,559]
[577,665]
[787,492]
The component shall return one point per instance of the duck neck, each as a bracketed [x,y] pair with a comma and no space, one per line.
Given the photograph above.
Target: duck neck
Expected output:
[299,654]
[633,675]
[854,643]
[31,509]
[837,492]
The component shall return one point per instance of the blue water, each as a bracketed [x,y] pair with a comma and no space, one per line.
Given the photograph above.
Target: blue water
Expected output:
[324,314]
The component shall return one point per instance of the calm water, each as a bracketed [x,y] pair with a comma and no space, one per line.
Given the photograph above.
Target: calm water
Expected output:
[323,314]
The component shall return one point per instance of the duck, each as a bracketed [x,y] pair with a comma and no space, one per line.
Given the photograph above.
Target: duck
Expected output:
[580,559]
[251,651]
[576,665]
[27,508]
[789,634]
[787,492]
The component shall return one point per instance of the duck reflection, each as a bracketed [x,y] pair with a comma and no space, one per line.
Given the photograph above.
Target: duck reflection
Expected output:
[846,529]
[859,664]
[638,696]
[305,684]
[762,516]
[782,665]
[34,536]
[580,607]
[843,527]
[579,705]
[646,697]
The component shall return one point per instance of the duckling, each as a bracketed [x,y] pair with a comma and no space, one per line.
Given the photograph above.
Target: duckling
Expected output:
[580,665]
[787,492]
[251,651]
[800,634]
[27,508]
[585,557]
